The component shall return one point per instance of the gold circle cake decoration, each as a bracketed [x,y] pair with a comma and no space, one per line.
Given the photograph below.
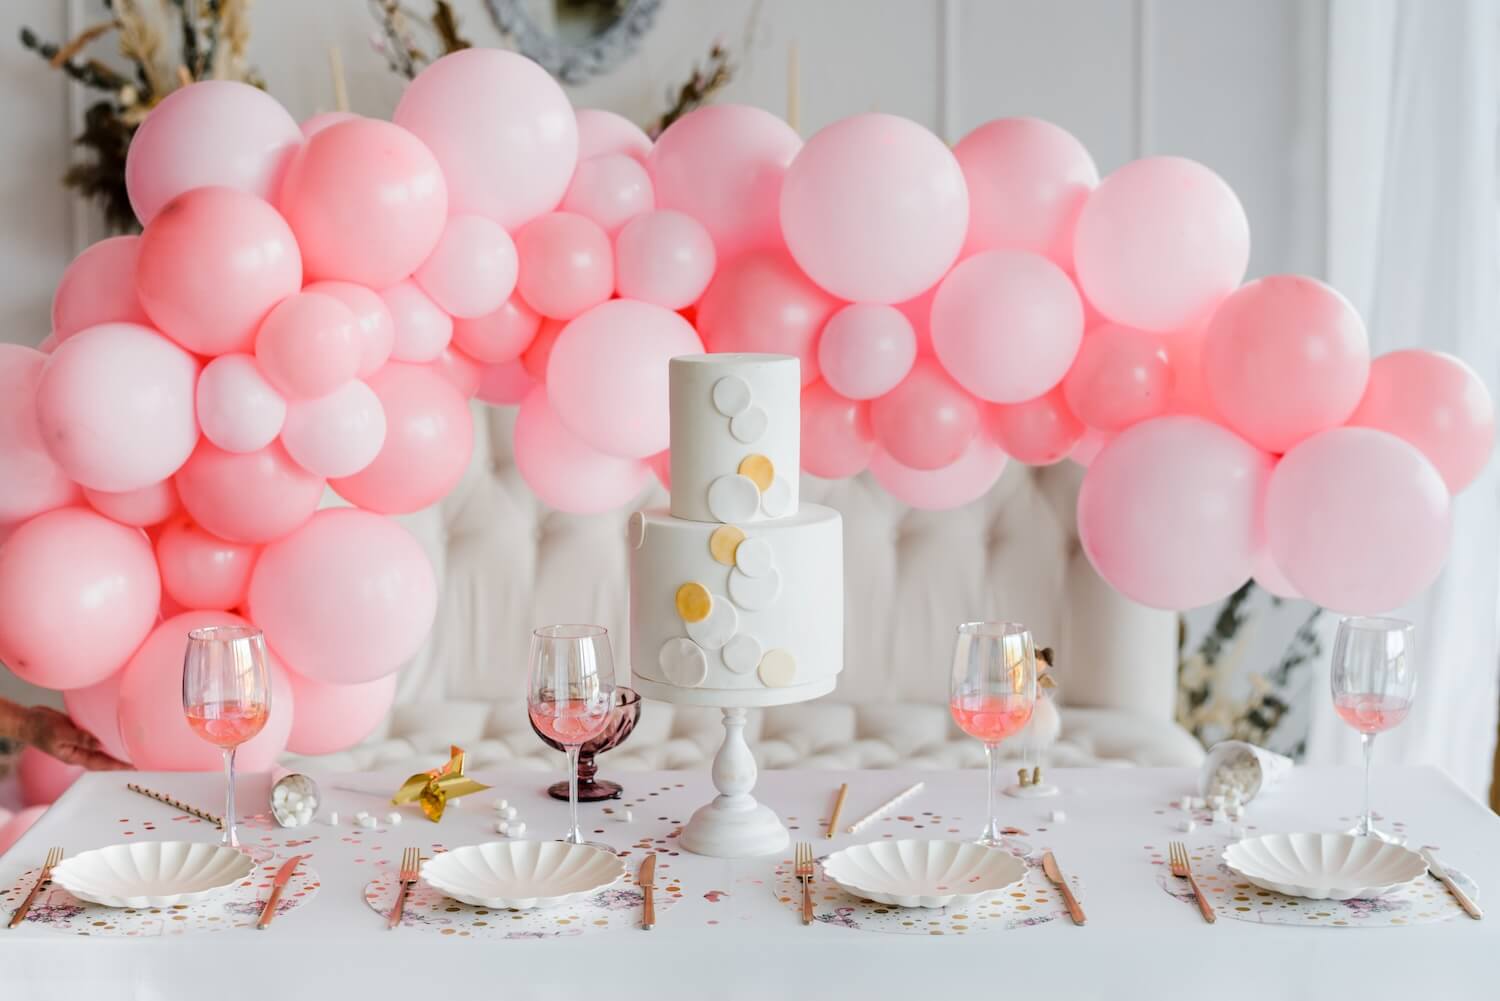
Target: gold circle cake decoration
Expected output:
[694,602]
[723,543]
[758,468]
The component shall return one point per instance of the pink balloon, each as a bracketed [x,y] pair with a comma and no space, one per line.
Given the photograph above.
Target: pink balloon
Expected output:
[201,570]
[1189,390]
[317,123]
[565,472]
[1027,180]
[152,724]
[429,436]
[1283,358]
[78,592]
[17,824]
[250,497]
[459,370]
[505,384]
[1007,325]
[1269,576]
[98,287]
[138,508]
[96,709]
[1358,520]
[499,336]
[309,345]
[348,597]
[376,328]
[723,165]
[332,717]
[607,375]
[837,440]
[1120,377]
[213,133]
[338,434]
[43,778]
[1160,243]
[1088,447]
[238,408]
[1435,402]
[1168,511]
[539,351]
[762,303]
[472,270]
[966,479]
[31,481]
[601,132]
[866,350]
[874,208]
[1038,431]
[665,258]
[611,190]
[502,129]
[422,329]
[926,422]
[115,407]
[567,265]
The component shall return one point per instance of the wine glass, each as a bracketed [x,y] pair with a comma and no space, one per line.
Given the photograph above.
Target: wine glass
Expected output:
[226,694]
[1374,680]
[623,716]
[991,694]
[570,691]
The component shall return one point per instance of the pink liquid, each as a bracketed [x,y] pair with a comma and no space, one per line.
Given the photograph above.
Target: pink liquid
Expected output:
[574,721]
[990,718]
[227,724]
[1371,713]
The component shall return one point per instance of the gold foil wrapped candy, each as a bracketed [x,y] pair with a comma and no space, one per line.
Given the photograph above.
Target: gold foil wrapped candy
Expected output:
[432,789]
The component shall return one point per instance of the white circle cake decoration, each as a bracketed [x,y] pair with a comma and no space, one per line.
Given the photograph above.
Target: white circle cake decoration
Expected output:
[777,500]
[754,557]
[733,498]
[741,654]
[713,632]
[683,662]
[778,669]
[635,530]
[731,396]
[754,593]
[749,426]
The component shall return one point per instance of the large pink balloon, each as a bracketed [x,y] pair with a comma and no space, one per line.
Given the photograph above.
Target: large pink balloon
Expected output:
[309,345]
[1007,324]
[1435,402]
[962,481]
[217,132]
[332,717]
[837,439]
[376,328]
[567,265]
[666,258]
[367,201]
[601,132]
[31,481]
[97,709]
[78,592]
[607,375]
[115,407]
[422,329]
[152,724]
[1039,431]
[611,190]
[98,287]
[565,472]
[762,303]
[502,129]
[505,384]
[348,597]
[866,350]
[338,434]
[12,827]
[429,436]
[874,208]
[138,508]
[1120,377]
[238,408]
[1160,243]
[250,497]
[43,778]
[201,570]
[926,422]
[1027,180]
[499,336]
[1167,512]
[472,270]
[212,264]
[1358,520]
[1283,358]
[723,165]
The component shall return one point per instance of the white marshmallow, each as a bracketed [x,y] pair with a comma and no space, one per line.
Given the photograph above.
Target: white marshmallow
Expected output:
[1186,826]
[518,828]
[333,820]
[367,822]
[1220,817]
[502,827]
[393,818]
[510,813]
[456,801]
[362,815]
[1216,802]
[1236,811]
[501,804]
[278,795]
[629,817]
[1057,816]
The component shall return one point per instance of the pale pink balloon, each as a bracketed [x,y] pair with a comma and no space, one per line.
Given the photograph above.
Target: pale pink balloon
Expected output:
[1160,243]
[422,329]
[348,598]
[376,327]
[966,479]
[332,717]
[499,336]
[567,265]
[97,709]
[115,407]
[1088,447]
[761,303]
[866,350]
[502,129]
[13,826]
[238,408]
[367,201]
[1283,358]
[1007,325]
[309,345]
[539,351]
[1027,180]
[874,208]
[666,258]
[249,497]
[505,384]
[138,508]
[607,375]
[473,268]
[611,190]
[601,132]
[1437,403]
[152,724]
[1358,520]
[429,436]
[317,123]
[1038,431]
[213,133]
[564,471]
[42,778]
[459,370]
[926,422]
[31,481]
[338,434]
[78,592]
[1168,511]
[201,570]
[1120,377]
[837,439]
[98,287]
[1269,576]
[723,165]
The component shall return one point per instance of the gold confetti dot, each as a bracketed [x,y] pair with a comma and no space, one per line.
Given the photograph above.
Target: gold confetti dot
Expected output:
[758,468]
[694,602]
[725,540]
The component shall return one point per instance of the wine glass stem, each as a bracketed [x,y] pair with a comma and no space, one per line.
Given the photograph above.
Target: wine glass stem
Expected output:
[575,836]
[1365,825]
[231,837]
[991,834]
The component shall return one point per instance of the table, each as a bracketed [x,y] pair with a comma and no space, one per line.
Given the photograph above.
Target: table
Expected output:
[1139,941]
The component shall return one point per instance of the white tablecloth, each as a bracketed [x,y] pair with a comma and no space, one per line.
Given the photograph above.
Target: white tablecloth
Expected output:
[1139,942]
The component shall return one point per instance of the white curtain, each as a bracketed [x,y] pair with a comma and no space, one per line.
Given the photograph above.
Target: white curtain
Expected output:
[1412,225]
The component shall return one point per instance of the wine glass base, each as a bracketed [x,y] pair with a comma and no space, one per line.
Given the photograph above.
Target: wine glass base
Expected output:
[256,852]
[592,844]
[1378,835]
[1035,791]
[596,791]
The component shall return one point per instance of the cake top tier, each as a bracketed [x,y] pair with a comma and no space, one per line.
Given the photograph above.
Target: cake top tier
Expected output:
[736,432]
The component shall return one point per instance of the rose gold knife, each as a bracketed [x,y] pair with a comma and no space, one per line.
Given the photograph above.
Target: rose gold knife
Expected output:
[647,882]
[277,885]
[1075,909]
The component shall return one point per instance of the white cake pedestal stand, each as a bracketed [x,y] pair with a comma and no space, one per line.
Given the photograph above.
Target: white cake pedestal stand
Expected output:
[734,825]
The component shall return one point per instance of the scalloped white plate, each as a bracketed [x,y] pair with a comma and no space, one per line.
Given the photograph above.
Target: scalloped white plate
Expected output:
[522,874]
[918,873]
[152,873]
[1323,866]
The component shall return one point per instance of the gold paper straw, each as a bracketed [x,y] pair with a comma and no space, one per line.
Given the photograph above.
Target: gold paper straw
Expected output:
[838,804]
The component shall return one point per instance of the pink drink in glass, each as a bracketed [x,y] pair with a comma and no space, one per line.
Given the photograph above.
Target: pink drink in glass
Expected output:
[1371,713]
[227,724]
[570,722]
[991,718]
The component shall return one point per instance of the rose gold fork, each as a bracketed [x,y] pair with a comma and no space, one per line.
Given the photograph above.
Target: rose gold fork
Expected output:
[54,856]
[411,869]
[1177,857]
[804,872]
